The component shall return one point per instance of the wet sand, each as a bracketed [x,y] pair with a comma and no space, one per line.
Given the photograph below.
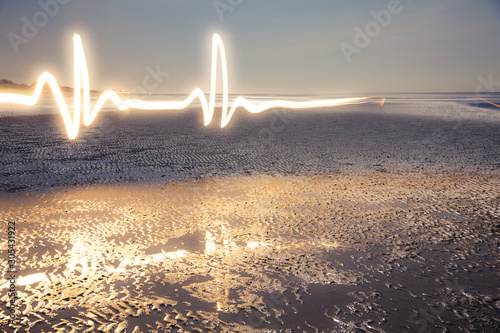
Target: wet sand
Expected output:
[432,136]
[371,251]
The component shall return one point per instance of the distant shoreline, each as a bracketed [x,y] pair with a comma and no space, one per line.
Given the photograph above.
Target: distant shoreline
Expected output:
[7,86]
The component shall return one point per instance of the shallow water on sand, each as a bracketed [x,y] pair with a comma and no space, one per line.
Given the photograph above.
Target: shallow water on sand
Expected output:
[354,219]
[381,252]
[410,132]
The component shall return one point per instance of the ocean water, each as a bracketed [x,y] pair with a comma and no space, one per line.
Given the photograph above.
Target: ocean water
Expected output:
[429,132]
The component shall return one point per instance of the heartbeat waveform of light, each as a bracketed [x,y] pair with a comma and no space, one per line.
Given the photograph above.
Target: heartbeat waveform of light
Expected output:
[81,85]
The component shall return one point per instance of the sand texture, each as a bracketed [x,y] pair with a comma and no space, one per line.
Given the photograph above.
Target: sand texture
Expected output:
[361,218]
[403,135]
[377,252]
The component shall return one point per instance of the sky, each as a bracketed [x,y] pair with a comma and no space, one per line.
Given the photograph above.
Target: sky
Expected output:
[273,47]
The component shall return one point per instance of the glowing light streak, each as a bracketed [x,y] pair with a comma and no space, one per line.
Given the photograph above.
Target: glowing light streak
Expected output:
[497,105]
[81,84]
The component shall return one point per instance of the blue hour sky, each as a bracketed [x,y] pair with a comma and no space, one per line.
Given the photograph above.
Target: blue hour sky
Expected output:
[279,46]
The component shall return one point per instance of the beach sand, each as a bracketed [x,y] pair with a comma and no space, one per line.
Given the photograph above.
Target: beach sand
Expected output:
[360,218]
[370,251]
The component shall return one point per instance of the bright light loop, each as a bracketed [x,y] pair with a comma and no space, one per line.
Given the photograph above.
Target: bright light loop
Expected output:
[81,84]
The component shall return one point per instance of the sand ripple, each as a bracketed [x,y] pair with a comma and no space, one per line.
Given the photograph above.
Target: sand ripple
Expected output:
[375,252]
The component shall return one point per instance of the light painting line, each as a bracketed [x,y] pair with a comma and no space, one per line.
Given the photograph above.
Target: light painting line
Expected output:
[482,99]
[81,83]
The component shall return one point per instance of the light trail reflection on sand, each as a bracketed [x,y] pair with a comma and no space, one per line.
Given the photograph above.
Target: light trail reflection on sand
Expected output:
[208,255]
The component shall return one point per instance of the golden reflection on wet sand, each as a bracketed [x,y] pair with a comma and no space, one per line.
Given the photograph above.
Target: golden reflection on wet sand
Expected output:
[204,255]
